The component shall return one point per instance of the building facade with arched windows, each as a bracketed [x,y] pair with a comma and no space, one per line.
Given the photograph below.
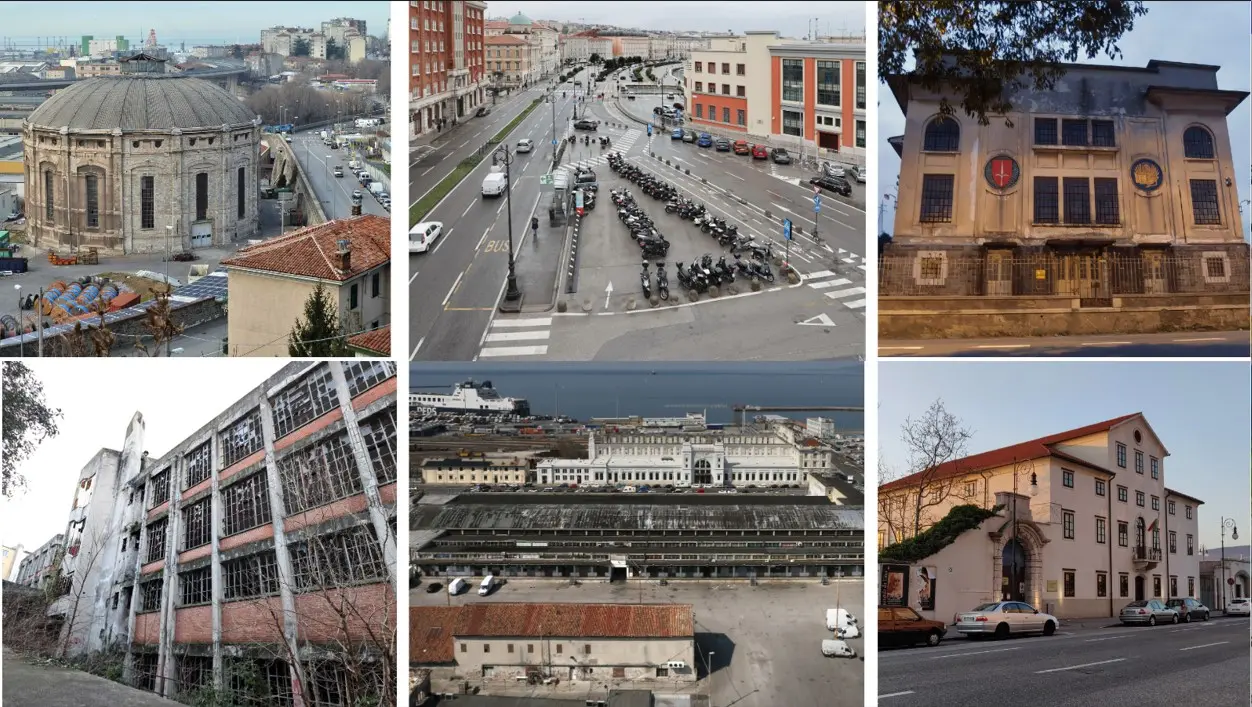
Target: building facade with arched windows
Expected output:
[142,162]
[763,454]
[1118,181]
[1086,525]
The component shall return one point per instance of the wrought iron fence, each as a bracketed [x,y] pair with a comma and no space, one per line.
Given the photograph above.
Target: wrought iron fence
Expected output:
[1083,275]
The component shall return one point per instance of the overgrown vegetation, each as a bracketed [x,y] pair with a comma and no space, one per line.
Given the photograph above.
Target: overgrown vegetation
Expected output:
[938,536]
[28,421]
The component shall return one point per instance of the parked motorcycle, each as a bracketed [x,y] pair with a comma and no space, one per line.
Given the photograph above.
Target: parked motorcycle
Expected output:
[645,280]
[727,272]
[662,281]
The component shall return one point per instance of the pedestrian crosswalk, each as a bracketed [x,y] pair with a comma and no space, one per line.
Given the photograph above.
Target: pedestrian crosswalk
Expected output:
[837,288]
[525,336]
[622,145]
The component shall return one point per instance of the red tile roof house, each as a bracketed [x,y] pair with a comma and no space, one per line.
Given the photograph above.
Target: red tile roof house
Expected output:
[271,281]
[1088,523]
[604,643]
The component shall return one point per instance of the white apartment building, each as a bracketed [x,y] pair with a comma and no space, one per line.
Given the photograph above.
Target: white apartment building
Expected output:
[769,454]
[635,46]
[1088,524]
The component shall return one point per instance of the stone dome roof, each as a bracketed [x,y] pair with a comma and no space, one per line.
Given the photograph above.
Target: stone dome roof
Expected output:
[520,19]
[141,102]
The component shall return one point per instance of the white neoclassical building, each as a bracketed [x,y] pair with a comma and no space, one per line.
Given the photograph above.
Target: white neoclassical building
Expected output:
[764,454]
[141,162]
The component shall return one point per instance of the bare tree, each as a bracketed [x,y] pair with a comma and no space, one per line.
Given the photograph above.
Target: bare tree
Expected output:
[86,555]
[892,507]
[932,440]
[159,321]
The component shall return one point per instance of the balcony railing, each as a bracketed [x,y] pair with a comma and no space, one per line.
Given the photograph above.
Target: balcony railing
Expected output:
[1147,554]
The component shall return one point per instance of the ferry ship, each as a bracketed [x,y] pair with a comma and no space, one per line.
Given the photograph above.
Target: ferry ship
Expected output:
[471,397]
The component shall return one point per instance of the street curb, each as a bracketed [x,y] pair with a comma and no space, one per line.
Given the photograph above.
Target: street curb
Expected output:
[571,281]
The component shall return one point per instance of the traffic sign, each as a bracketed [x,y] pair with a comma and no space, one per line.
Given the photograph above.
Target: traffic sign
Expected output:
[787,228]
[545,180]
[554,142]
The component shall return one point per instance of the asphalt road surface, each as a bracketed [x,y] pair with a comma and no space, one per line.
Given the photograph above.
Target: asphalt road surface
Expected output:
[1199,344]
[456,288]
[318,162]
[1200,663]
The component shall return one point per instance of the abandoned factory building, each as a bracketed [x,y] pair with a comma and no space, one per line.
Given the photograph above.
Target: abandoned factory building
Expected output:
[213,564]
[621,536]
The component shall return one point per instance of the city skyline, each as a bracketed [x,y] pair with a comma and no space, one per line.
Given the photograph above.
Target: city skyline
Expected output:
[1198,409]
[189,22]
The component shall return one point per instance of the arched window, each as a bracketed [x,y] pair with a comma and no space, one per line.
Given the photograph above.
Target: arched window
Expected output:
[1197,143]
[943,134]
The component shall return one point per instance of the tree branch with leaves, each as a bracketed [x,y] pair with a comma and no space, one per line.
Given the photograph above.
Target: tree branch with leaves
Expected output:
[28,421]
[983,52]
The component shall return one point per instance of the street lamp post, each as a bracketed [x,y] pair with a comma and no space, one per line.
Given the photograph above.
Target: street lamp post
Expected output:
[21,342]
[1234,535]
[512,294]
[552,100]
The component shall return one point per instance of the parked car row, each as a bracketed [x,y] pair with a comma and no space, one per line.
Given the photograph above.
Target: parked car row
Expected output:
[903,626]
[740,147]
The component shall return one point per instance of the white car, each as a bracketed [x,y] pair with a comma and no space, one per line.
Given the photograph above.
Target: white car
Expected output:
[1004,618]
[1238,607]
[423,236]
[525,145]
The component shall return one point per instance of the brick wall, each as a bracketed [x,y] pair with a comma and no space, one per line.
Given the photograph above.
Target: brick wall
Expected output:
[253,621]
[193,624]
[308,430]
[315,516]
[148,628]
[362,401]
[261,532]
[372,605]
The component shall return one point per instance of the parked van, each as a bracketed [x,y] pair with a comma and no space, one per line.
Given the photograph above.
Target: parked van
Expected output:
[456,586]
[839,618]
[837,649]
[485,588]
[494,184]
[628,489]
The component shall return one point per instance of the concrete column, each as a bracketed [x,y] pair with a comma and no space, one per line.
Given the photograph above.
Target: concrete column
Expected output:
[128,665]
[169,584]
[369,482]
[215,516]
[286,576]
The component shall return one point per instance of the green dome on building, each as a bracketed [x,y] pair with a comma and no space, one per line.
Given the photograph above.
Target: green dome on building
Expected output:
[520,19]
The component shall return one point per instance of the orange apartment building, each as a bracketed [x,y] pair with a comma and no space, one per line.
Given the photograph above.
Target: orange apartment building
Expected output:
[806,96]
[266,535]
[446,61]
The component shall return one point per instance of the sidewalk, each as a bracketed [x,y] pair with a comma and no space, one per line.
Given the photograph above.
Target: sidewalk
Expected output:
[28,685]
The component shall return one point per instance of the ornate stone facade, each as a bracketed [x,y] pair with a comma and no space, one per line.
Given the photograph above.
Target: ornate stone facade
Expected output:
[141,164]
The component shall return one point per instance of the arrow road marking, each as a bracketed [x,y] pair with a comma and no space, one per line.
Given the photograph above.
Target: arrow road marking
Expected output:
[822,319]
[608,291]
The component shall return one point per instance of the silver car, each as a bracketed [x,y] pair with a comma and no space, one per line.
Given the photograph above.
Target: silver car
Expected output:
[1150,612]
[1004,618]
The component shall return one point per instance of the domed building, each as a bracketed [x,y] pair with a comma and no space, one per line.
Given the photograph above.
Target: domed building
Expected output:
[143,162]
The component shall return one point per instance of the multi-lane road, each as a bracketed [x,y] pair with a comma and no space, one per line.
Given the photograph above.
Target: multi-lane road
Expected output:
[318,162]
[1197,663]
[455,289]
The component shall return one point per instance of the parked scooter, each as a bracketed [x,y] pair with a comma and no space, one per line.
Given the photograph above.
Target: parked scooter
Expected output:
[662,281]
[646,280]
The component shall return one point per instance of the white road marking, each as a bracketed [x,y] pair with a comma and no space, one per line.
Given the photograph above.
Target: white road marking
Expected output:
[467,208]
[514,351]
[453,289]
[520,336]
[820,273]
[962,655]
[1207,338]
[1106,638]
[1206,645]
[837,294]
[1002,346]
[411,279]
[855,304]
[534,321]
[1076,667]
[1105,343]
[417,348]
[480,240]
[900,348]
[895,694]
[442,239]
[428,171]
[830,283]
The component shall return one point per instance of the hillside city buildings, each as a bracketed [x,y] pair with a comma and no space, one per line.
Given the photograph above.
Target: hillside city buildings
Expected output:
[251,557]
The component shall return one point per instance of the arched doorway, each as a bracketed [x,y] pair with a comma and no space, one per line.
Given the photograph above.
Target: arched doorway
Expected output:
[703,473]
[1013,576]
[1241,585]
[1139,583]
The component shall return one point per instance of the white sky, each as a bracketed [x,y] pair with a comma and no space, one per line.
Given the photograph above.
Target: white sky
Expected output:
[98,400]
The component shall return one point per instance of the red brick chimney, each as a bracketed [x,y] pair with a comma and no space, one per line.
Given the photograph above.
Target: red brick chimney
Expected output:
[345,255]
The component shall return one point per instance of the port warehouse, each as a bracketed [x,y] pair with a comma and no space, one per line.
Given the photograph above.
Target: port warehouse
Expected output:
[620,537]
